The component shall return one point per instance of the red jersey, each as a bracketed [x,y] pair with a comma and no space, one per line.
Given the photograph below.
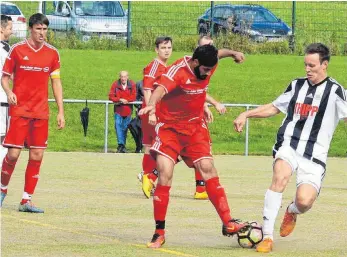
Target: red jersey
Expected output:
[185,94]
[32,69]
[152,72]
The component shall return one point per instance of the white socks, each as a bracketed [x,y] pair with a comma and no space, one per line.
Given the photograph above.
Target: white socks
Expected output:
[293,209]
[272,204]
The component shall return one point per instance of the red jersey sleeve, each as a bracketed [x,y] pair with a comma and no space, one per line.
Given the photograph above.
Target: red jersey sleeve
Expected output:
[10,62]
[149,75]
[170,80]
[55,61]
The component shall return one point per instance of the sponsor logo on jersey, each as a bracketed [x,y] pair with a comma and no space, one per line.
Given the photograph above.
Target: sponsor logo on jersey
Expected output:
[305,110]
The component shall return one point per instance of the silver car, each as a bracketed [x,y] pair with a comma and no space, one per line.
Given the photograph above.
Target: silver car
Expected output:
[88,18]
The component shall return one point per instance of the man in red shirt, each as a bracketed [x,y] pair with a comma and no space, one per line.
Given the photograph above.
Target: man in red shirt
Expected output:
[181,130]
[163,48]
[122,92]
[31,62]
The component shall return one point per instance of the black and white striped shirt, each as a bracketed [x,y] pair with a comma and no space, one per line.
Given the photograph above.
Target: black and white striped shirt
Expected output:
[4,49]
[312,114]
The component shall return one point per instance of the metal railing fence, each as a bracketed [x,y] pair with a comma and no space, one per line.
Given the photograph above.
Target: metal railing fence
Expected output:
[107,103]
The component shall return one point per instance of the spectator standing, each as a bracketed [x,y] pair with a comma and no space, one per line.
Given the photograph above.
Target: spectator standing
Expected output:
[122,92]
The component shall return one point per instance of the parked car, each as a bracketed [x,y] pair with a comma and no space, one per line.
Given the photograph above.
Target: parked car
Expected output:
[255,21]
[19,27]
[88,18]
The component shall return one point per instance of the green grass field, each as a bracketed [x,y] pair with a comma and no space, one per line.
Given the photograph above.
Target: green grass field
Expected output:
[95,207]
[88,74]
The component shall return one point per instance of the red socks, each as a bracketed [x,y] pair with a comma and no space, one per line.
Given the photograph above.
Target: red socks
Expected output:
[218,198]
[160,203]
[148,166]
[31,179]
[6,173]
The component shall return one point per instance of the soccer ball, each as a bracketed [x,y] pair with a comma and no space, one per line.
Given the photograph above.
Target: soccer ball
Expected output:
[250,237]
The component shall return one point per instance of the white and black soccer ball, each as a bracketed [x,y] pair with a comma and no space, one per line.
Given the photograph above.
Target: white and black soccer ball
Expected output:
[251,236]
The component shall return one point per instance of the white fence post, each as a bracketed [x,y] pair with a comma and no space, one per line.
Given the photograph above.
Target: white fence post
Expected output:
[247,131]
[106,128]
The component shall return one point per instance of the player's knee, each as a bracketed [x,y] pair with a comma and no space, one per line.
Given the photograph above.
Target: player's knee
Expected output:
[13,154]
[36,154]
[304,203]
[206,167]
[279,182]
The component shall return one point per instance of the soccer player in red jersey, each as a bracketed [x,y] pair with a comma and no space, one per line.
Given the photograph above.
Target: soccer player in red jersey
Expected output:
[181,130]
[31,62]
[151,73]
[163,48]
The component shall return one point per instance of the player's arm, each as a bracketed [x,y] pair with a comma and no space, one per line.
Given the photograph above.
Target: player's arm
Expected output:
[263,111]
[208,115]
[238,57]
[58,96]
[147,95]
[219,107]
[5,83]
[155,98]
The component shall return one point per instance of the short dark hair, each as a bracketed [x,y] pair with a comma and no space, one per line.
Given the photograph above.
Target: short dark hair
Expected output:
[4,20]
[160,40]
[38,18]
[319,48]
[207,55]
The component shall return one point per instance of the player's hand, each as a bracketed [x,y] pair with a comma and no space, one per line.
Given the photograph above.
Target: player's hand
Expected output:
[152,119]
[239,57]
[221,109]
[123,101]
[12,98]
[239,122]
[208,115]
[147,109]
[60,121]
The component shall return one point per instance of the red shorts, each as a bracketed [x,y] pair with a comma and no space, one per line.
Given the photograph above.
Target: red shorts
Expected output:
[191,141]
[33,133]
[148,131]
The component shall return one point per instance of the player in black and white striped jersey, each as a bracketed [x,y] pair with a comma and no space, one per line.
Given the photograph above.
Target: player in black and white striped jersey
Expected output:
[313,106]
[5,33]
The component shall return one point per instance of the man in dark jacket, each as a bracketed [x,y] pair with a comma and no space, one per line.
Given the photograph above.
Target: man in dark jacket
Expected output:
[122,92]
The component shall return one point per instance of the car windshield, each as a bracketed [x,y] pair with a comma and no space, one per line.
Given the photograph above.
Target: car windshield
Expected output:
[255,15]
[9,10]
[99,8]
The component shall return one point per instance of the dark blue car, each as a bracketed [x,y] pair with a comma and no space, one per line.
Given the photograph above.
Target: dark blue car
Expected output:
[254,21]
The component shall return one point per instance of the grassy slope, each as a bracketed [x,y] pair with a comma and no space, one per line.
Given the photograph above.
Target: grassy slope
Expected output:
[89,75]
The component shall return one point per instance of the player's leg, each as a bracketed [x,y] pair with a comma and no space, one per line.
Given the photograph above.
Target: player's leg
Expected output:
[148,163]
[166,148]
[161,197]
[14,141]
[309,179]
[198,149]
[37,143]
[283,168]
[3,129]
[200,190]
[8,165]
[217,196]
